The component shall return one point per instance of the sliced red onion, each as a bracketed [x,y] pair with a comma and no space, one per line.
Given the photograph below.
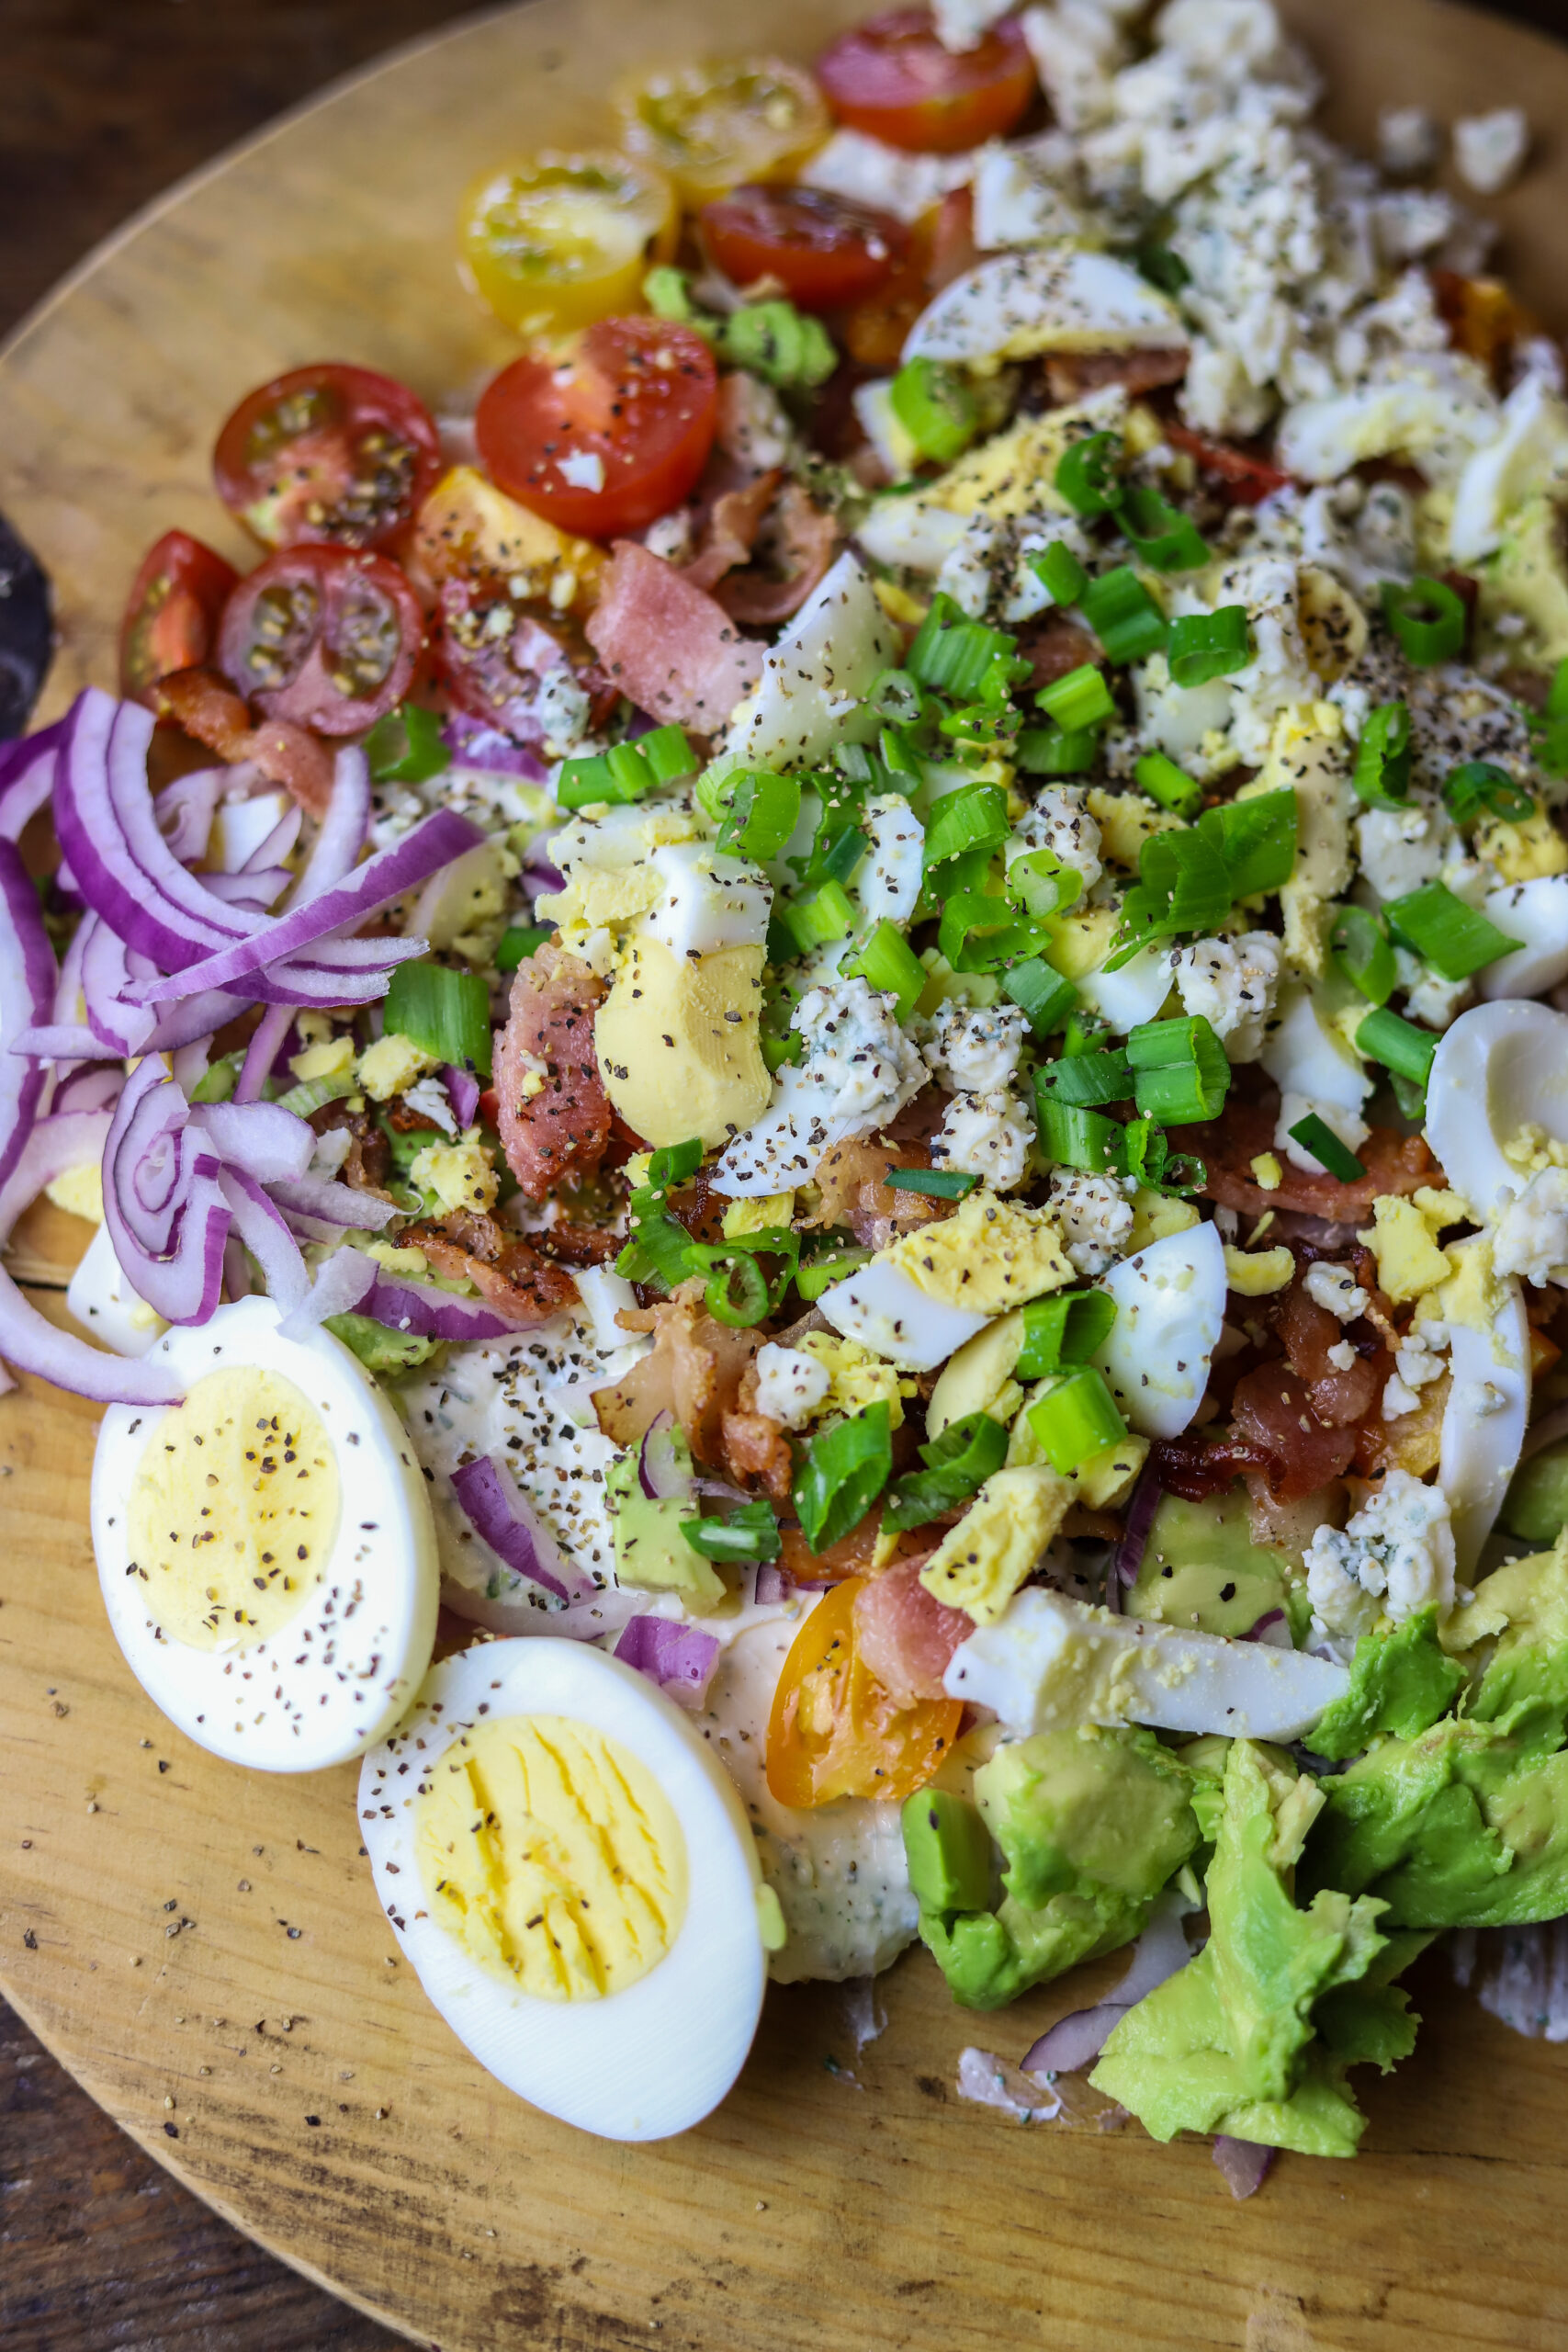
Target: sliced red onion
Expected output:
[1273,1628]
[252,887]
[93,1088]
[1076,2040]
[160,1183]
[1245,2163]
[476,745]
[342,831]
[333,1204]
[341,1283]
[28,980]
[261,1227]
[539,877]
[770,1586]
[186,809]
[1128,1557]
[488,1498]
[27,777]
[267,1040]
[269,1143]
[658,1471]
[680,1658]
[432,1312]
[462,1092]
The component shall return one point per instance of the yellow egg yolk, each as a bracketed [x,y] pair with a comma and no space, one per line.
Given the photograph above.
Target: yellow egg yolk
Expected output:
[552,1855]
[233,1509]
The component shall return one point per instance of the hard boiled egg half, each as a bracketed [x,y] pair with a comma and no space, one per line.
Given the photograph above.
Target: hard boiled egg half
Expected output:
[266,1548]
[572,1876]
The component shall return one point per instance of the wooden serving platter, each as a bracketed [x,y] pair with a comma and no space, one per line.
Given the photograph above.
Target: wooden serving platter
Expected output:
[203,1948]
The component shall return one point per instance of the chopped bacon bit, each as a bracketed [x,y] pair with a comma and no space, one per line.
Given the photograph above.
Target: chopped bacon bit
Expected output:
[693,1370]
[1197,1466]
[850,1556]
[1271,1411]
[1228,1147]
[1246,476]
[208,710]
[756,1446]
[560,1131]
[904,1635]
[667,645]
[852,1178]
[1073,375]
[792,554]
[507,1272]
[731,530]
[369,1161]
[1482,319]
[1053,646]
[1307,1331]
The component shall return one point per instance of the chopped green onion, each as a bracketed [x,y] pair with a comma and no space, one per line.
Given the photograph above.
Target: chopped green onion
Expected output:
[958,1460]
[819,1273]
[1042,885]
[1149,1159]
[626,771]
[1123,615]
[1059,572]
[1557,692]
[1187,881]
[1257,838]
[840,851]
[1453,938]
[961,659]
[1315,1135]
[445,1014]
[979,934]
[888,963]
[219,1079]
[518,941]
[751,1532]
[784,345]
[776,1051]
[763,813]
[1163,266]
[809,922]
[406,746]
[1079,699]
[1057,751]
[1086,1080]
[1209,645]
[975,817]
[1085,1033]
[897,697]
[656,1255]
[667,754]
[1089,475]
[1166,538]
[673,1162]
[936,1184]
[664,291]
[1065,1329]
[1042,996]
[1361,949]
[1180,1071]
[935,407]
[844,1469]
[308,1094]
[1170,785]
[1075,1419]
[1480,785]
[1430,619]
[1075,1138]
[742,1310]
[1381,773]
[736,1261]
[1399,1044]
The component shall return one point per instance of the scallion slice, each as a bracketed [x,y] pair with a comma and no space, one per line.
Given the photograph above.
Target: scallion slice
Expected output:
[1170,785]
[1381,773]
[1187,879]
[1399,1044]
[1083,1081]
[657,1253]
[1075,1419]
[1089,474]
[1315,1135]
[763,813]
[518,941]
[219,1079]
[1079,699]
[955,656]
[1256,839]
[1166,538]
[1057,751]
[1076,1138]
[1201,646]
[306,1095]
[958,1461]
[897,697]
[1180,1070]
[445,1014]
[406,747]
[887,962]
[935,407]
[980,933]
[673,1162]
[1480,788]
[936,1184]
[812,921]
[844,1469]
[820,1273]
[1430,619]
[1064,1328]
[1058,571]
[974,817]
[1040,884]
[1363,950]
[1042,996]
[1123,615]
[750,1532]
[1453,938]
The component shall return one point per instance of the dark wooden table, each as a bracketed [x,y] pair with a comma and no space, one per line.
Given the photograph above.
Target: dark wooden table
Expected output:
[103,103]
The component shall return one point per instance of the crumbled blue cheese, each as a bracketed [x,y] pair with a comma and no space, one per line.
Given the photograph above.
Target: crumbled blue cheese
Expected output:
[1489,149]
[1095,1217]
[988,1136]
[867,171]
[1409,140]
[1531,1236]
[859,1069]
[1232,984]
[1396,1556]
[888,882]
[1336,1289]
[790,1383]
[974,1048]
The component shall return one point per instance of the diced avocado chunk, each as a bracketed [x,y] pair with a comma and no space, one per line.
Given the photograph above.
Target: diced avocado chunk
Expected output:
[1400,1682]
[1202,1568]
[378,1348]
[1253,2036]
[949,1851]
[1536,1505]
[651,1550]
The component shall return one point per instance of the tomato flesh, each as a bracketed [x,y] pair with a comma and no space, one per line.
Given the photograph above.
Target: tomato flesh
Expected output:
[172,615]
[709,126]
[823,249]
[609,437]
[892,78]
[554,240]
[323,637]
[834,1731]
[328,455]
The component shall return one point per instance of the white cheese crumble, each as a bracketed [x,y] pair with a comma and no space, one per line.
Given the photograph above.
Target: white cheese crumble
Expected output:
[1396,1555]
[1095,1215]
[583,469]
[1336,1289]
[1232,984]
[790,1383]
[974,1050]
[1409,140]
[988,1135]
[1490,148]
[1057,820]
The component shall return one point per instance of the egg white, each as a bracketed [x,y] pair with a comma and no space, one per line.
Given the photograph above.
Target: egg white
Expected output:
[654,2058]
[1499,1068]
[1170,1303]
[347,1662]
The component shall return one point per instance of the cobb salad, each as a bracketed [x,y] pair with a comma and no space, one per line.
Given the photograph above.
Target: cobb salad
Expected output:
[846,1018]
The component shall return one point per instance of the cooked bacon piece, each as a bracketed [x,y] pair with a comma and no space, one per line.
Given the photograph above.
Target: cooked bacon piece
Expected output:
[1073,375]
[730,531]
[852,1180]
[561,1130]
[208,710]
[694,1370]
[507,1272]
[1197,1464]
[1306,1332]
[1228,1147]
[792,554]
[756,1446]
[906,1636]
[951,234]
[1243,476]
[667,645]
[369,1161]
[577,1245]
[1271,1410]
[850,1556]
[1053,646]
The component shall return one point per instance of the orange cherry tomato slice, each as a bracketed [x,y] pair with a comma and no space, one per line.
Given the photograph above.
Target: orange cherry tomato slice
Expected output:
[608,437]
[892,78]
[329,455]
[835,1731]
[172,615]
[823,249]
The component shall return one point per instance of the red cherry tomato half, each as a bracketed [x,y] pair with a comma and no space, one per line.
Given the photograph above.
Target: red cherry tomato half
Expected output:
[330,455]
[823,249]
[322,637]
[172,616]
[892,78]
[609,437]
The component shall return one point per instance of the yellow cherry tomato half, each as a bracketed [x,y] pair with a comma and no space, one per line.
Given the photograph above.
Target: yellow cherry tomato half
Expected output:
[555,241]
[833,1731]
[725,123]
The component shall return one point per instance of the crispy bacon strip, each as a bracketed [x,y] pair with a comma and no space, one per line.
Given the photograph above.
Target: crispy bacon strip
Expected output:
[693,1370]
[732,524]
[667,645]
[206,708]
[1072,375]
[792,553]
[508,1273]
[1228,1147]
[560,1130]
[905,1635]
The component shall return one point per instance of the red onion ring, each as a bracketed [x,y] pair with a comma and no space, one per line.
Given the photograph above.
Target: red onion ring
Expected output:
[489,1500]
[678,1657]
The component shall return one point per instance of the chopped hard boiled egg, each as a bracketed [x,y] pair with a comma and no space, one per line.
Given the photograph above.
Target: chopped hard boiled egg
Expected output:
[1060,299]
[99,1297]
[1498,1068]
[1488,1405]
[266,1549]
[1170,1307]
[679,1042]
[813,678]
[574,1877]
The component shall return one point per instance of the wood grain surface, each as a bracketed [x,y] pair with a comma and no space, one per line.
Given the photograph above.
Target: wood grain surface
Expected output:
[203,1947]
